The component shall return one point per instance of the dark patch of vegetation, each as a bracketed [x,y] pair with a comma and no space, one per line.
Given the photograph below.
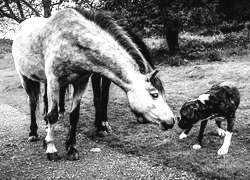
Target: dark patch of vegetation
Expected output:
[5,46]
[201,50]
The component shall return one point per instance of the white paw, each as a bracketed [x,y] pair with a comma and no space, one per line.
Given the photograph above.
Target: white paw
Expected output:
[221,132]
[222,150]
[182,136]
[196,146]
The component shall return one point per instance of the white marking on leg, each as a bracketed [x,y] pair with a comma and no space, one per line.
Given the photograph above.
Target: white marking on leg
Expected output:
[224,148]
[182,136]
[221,132]
[196,146]
[49,139]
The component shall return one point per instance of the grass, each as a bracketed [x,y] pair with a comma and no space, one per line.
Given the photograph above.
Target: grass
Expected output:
[157,149]
[164,148]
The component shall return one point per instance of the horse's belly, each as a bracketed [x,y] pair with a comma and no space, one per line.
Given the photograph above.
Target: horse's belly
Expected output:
[32,70]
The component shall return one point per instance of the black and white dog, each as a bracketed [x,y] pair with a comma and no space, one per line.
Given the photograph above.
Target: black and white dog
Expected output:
[221,100]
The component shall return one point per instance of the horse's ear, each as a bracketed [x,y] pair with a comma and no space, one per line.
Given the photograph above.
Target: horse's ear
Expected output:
[152,74]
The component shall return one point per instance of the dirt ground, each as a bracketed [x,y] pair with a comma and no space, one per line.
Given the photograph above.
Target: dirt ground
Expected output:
[131,151]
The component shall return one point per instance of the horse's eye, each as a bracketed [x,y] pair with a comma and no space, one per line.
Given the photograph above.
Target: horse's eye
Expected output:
[154,95]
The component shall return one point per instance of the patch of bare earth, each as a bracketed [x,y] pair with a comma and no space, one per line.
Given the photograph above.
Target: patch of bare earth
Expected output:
[132,150]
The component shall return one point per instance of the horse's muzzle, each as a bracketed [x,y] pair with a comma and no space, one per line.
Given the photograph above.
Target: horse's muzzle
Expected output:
[165,126]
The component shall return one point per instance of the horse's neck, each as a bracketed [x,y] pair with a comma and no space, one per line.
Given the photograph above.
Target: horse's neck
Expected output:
[117,66]
[99,52]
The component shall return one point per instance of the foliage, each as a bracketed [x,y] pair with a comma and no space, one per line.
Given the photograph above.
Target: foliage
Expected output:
[154,16]
[231,10]
[5,46]
[214,56]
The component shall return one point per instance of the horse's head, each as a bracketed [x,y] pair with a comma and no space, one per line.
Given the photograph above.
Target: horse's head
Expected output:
[148,102]
[189,114]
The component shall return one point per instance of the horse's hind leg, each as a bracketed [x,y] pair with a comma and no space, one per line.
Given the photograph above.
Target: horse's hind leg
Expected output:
[33,89]
[79,89]
[100,87]
[62,101]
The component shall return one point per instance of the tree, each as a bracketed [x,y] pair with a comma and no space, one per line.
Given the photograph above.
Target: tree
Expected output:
[231,10]
[160,16]
[19,10]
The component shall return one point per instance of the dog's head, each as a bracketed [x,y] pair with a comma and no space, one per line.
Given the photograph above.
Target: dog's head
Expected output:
[189,114]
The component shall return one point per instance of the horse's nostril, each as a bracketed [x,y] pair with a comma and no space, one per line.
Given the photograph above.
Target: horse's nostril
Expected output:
[166,125]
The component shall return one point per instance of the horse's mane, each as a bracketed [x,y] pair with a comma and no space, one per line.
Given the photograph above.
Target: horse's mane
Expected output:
[127,39]
[109,24]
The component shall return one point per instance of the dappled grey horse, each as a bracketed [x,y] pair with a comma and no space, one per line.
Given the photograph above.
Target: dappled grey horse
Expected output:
[100,86]
[66,49]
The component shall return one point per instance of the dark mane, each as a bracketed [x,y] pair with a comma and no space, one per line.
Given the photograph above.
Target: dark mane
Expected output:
[140,44]
[127,39]
[109,24]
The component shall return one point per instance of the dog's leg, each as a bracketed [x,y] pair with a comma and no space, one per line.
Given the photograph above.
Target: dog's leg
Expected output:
[200,136]
[221,132]
[224,148]
[184,133]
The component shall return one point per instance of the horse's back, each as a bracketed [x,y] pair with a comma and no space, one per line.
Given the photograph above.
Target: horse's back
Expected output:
[26,49]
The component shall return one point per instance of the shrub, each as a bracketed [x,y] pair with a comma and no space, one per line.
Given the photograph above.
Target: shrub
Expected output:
[214,56]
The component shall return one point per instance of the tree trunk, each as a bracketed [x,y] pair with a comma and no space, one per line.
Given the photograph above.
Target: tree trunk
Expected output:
[47,6]
[172,36]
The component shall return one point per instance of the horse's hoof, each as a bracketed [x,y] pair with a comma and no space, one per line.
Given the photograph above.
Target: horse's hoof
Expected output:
[53,156]
[72,154]
[101,133]
[108,127]
[104,130]
[33,138]
[61,116]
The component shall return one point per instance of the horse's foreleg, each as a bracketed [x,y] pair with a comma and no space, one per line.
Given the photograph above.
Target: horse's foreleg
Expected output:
[105,97]
[45,102]
[96,86]
[52,117]
[79,89]
[100,87]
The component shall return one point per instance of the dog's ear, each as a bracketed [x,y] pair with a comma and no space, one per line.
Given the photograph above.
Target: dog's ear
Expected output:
[187,111]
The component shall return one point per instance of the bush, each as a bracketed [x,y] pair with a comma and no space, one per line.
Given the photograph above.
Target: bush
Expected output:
[5,46]
[214,56]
